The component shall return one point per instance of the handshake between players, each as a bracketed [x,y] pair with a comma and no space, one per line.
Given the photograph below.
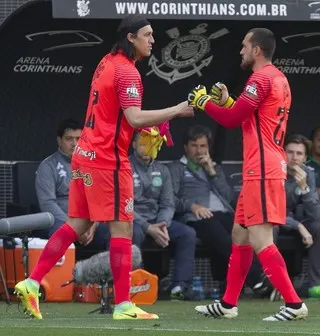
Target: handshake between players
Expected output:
[220,106]
[152,138]
[219,95]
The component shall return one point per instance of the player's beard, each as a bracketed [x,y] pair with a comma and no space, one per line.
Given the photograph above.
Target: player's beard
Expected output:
[247,64]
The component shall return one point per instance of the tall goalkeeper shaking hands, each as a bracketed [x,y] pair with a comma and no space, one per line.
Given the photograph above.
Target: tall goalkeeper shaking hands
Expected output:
[262,110]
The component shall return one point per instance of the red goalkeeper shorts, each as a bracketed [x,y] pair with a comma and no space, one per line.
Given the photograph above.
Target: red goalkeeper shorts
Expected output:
[101,194]
[261,201]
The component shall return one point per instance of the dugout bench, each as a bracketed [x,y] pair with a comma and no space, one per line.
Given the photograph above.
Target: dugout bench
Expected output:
[156,259]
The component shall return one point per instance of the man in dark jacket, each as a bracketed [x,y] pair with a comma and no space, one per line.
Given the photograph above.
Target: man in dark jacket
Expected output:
[203,198]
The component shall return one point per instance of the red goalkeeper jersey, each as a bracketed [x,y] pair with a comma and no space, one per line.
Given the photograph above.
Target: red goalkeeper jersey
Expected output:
[269,92]
[105,139]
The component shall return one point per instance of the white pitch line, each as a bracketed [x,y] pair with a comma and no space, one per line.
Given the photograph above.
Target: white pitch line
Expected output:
[155,329]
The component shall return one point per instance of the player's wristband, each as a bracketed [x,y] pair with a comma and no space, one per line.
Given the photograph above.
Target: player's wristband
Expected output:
[229,102]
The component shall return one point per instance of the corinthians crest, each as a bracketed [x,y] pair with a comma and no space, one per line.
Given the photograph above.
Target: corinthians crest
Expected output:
[83,8]
[185,55]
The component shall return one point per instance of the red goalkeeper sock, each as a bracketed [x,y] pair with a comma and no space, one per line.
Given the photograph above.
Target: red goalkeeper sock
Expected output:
[276,270]
[121,266]
[239,265]
[53,251]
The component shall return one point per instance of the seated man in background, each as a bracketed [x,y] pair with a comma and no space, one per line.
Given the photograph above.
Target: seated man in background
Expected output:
[303,207]
[203,198]
[314,157]
[52,188]
[153,212]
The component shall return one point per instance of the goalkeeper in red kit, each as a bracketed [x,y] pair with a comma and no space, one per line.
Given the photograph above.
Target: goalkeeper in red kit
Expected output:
[101,189]
[262,110]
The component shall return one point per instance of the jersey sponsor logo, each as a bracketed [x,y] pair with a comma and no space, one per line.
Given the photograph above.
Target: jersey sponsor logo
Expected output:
[132,91]
[251,90]
[87,178]
[185,55]
[76,174]
[88,154]
[129,206]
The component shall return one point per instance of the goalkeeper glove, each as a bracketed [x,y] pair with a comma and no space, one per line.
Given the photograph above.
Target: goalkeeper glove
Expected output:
[216,93]
[198,97]
[152,141]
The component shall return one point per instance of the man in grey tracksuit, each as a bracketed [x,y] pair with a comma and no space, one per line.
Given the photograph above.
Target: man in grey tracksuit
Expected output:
[153,212]
[303,206]
[52,187]
[203,198]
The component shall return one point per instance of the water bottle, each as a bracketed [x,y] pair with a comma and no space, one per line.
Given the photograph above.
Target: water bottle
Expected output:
[197,288]
[215,295]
